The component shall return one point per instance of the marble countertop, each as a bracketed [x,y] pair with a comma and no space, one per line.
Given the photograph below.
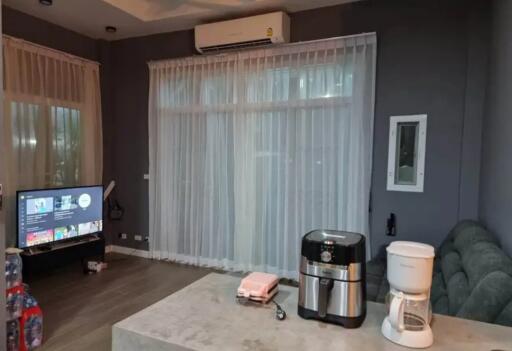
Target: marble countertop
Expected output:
[204,316]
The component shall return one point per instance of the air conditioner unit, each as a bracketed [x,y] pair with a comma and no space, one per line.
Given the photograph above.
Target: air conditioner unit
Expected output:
[270,28]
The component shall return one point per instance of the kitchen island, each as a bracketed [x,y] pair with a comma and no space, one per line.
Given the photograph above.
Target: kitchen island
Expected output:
[205,316]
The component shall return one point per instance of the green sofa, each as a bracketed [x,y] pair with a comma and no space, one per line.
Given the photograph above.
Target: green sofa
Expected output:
[472,276]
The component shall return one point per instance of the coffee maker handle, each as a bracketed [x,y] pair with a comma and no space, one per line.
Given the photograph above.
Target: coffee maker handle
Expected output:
[396,312]
[323,296]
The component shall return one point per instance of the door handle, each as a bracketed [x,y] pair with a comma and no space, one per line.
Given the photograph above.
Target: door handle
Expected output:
[324,293]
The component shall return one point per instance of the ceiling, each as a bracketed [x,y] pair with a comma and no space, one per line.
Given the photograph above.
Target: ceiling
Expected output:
[142,17]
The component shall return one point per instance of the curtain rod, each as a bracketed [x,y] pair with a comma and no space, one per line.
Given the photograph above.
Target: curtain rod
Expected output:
[296,43]
[75,57]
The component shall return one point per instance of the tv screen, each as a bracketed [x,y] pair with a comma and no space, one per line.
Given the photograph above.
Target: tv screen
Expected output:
[49,215]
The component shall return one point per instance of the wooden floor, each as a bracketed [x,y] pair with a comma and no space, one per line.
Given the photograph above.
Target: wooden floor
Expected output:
[79,310]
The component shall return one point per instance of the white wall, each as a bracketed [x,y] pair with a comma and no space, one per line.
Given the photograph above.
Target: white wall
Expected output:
[496,174]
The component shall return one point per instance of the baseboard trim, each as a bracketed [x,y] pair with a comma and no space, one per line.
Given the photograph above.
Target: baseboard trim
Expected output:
[127,251]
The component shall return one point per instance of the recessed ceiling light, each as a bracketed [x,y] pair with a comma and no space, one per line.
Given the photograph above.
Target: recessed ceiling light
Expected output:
[110,29]
[46,2]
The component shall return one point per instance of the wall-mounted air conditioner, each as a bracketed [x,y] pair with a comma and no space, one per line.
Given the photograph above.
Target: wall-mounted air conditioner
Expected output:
[270,28]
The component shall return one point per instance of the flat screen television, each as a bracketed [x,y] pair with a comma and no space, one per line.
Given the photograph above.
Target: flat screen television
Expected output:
[46,216]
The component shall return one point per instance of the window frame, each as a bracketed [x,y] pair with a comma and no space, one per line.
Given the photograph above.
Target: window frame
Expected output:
[421,138]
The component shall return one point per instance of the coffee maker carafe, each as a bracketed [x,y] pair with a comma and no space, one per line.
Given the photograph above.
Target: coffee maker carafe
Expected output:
[408,301]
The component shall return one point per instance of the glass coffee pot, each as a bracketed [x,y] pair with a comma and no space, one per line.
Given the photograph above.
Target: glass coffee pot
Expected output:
[408,311]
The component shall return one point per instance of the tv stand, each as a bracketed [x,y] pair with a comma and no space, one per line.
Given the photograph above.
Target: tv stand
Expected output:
[47,257]
[42,248]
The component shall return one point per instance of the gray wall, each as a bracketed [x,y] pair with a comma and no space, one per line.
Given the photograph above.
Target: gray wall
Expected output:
[128,128]
[496,183]
[21,25]
[431,59]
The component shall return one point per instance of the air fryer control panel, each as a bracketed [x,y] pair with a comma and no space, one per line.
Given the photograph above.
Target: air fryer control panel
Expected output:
[334,247]
[327,252]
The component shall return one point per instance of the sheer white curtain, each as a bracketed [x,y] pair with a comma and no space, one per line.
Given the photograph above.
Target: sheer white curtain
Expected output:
[251,150]
[52,125]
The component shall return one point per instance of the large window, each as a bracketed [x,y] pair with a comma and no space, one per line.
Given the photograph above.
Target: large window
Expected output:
[249,151]
[65,130]
[52,127]
[46,137]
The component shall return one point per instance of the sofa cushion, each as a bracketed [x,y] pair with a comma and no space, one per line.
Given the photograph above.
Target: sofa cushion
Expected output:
[470,236]
[383,291]
[488,299]
[482,259]
[438,287]
[376,280]
[447,245]
[451,264]
[441,305]
[458,292]
[438,293]
[505,316]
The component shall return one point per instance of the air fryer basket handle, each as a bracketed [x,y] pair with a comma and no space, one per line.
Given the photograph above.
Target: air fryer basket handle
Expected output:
[324,291]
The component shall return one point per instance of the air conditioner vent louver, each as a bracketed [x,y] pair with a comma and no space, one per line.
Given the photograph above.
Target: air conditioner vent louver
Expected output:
[234,46]
[246,32]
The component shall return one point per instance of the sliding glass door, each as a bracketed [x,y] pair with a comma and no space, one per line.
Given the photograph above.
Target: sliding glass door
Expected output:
[251,150]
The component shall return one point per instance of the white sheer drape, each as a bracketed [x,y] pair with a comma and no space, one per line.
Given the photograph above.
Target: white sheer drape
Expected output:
[250,150]
[52,125]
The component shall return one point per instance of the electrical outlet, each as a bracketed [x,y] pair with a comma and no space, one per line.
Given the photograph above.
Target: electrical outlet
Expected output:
[123,236]
[138,237]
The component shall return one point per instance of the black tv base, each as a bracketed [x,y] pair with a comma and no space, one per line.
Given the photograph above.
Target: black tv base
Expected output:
[42,259]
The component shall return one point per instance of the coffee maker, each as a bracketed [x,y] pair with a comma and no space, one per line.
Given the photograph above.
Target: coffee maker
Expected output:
[409,274]
[332,286]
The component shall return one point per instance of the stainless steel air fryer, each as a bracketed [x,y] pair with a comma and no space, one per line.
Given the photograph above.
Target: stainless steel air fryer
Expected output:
[332,286]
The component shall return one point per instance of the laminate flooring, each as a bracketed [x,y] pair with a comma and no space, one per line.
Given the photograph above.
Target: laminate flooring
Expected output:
[79,310]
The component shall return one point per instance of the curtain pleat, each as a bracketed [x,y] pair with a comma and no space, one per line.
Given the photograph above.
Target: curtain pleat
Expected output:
[53,130]
[251,150]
